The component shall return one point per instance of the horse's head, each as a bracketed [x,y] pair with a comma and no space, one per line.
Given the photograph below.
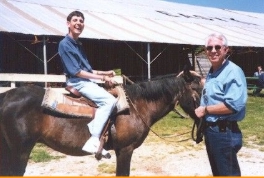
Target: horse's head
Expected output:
[190,99]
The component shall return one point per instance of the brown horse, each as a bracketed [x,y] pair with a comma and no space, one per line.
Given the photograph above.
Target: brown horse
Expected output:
[24,123]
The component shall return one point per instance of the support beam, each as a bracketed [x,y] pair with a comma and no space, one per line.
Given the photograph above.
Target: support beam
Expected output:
[148,63]
[45,57]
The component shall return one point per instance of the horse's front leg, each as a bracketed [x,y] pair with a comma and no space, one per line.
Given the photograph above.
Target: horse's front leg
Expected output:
[123,160]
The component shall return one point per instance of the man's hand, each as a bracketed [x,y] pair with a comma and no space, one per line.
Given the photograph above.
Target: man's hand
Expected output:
[111,73]
[109,81]
[200,111]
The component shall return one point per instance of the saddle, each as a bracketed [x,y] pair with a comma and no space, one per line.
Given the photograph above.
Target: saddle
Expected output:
[118,92]
[75,105]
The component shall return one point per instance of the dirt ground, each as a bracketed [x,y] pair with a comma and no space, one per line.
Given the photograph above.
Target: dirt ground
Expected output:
[150,159]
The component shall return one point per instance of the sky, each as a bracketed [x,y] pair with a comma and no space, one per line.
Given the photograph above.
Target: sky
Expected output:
[241,5]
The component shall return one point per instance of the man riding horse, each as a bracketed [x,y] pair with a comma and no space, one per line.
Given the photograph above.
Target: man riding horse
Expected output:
[80,74]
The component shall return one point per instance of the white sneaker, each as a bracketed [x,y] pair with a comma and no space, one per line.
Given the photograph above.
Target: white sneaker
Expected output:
[106,154]
[92,146]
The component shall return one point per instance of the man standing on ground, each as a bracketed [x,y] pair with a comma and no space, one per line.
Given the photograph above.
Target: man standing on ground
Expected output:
[223,104]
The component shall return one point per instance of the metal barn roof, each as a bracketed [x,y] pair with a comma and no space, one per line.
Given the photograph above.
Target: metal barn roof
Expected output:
[133,20]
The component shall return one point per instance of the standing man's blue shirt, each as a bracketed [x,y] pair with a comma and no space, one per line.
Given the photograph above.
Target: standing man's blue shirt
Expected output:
[227,85]
[73,58]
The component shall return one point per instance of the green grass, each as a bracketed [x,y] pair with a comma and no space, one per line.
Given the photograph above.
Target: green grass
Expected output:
[107,168]
[253,125]
[175,131]
[172,124]
[40,154]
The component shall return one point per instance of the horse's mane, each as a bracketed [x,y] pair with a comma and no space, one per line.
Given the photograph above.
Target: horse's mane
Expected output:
[163,86]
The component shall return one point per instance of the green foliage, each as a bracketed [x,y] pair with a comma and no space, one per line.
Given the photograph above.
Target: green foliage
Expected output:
[118,71]
[199,49]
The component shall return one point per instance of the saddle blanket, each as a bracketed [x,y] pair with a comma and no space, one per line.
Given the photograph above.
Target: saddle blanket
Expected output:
[63,104]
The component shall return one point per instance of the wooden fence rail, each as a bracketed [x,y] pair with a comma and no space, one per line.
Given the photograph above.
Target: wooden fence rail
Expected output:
[12,79]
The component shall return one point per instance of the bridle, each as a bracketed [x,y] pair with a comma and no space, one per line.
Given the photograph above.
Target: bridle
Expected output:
[201,124]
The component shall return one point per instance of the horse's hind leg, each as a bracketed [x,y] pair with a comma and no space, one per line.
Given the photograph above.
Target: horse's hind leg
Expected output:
[4,156]
[19,159]
[17,149]
[13,161]
[123,159]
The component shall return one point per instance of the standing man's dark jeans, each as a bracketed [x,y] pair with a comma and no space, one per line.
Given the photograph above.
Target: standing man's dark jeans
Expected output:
[256,92]
[260,86]
[222,148]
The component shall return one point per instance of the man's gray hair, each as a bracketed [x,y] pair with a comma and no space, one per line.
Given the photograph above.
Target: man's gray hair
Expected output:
[220,36]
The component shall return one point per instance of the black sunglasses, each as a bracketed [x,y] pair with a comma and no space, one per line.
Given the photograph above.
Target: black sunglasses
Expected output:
[210,48]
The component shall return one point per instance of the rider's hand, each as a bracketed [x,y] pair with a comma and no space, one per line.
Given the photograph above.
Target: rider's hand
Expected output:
[111,73]
[109,80]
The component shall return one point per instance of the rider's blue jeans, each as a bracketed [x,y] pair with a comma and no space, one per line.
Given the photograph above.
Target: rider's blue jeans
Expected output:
[103,99]
[222,148]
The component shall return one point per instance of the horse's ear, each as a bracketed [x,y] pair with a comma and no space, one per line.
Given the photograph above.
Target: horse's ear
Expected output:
[187,74]
[186,68]
[185,71]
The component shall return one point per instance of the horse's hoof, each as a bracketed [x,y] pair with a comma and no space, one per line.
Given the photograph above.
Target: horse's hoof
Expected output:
[107,156]
[98,156]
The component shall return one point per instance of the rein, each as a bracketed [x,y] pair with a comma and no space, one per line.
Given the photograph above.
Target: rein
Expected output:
[200,127]
[153,130]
